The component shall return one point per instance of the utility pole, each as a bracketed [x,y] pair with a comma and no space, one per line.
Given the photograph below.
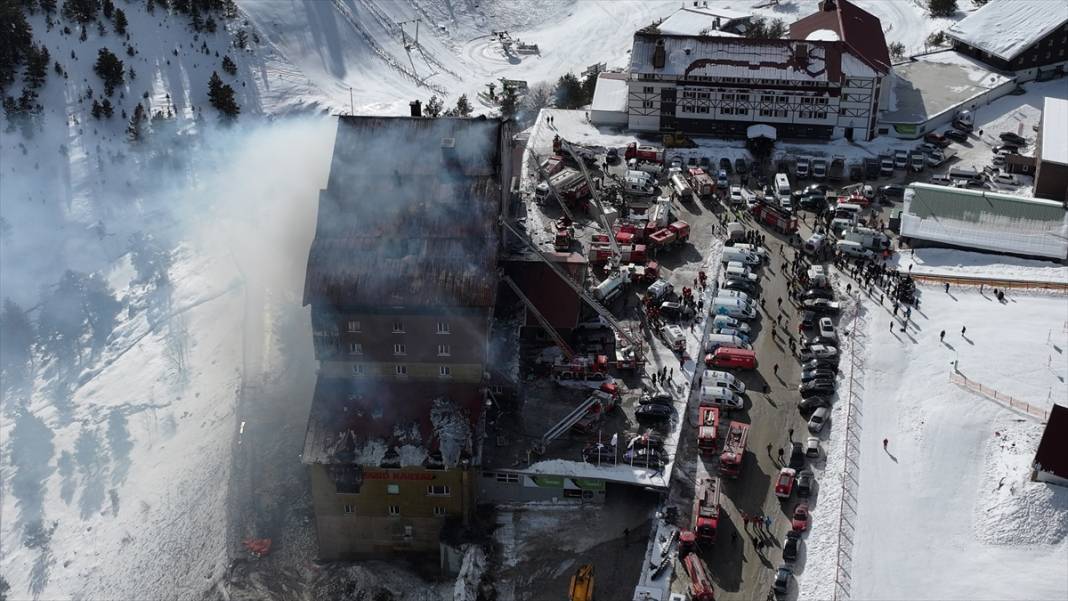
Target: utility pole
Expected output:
[352,111]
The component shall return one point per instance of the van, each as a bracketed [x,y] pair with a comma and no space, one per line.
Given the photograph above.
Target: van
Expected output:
[853,249]
[962,173]
[842,223]
[940,179]
[674,337]
[801,168]
[724,379]
[724,398]
[734,269]
[847,209]
[726,321]
[733,253]
[759,251]
[640,183]
[732,294]
[732,307]
[815,243]
[731,358]
[782,185]
[682,187]
[731,341]
[867,237]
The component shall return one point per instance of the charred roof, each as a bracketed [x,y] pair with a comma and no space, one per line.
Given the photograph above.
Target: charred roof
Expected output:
[1052,454]
[409,215]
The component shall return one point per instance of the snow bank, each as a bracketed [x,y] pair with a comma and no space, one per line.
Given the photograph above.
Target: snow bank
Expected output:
[941,261]
[470,576]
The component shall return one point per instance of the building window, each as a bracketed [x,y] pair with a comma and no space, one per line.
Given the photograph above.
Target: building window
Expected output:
[354,326]
[444,328]
[439,512]
[393,489]
[445,371]
[504,477]
[400,349]
[355,348]
[349,509]
[394,510]
[437,490]
[357,370]
[647,90]
[398,327]
[444,350]
[401,370]
[647,104]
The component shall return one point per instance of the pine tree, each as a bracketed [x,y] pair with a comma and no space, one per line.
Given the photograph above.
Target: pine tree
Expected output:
[150,6]
[107,109]
[97,110]
[36,66]
[241,39]
[108,8]
[16,41]
[463,106]
[228,65]
[942,8]
[48,6]
[110,69]
[433,107]
[133,131]
[568,92]
[120,21]
[82,11]
[222,97]
[209,25]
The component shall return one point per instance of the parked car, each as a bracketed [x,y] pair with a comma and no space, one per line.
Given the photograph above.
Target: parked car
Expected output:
[892,191]
[817,374]
[599,453]
[812,447]
[741,285]
[818,420]
[725,165]
[812,293]
[740,166]
[937,139]
[812,403]
[816,388]
[797,455]
[1013,138]
[956,135]
[653,413]
[736,197]
[791,545]
[799,520]
[827,329]
[784,485]
[612,156]
[829,363]
[659,398]
[722,180]
[674,310]
[808,319]
[820,305]
[812,202]
[781,585]
[643,457]
[805,481]
[817,351]
[1004,149]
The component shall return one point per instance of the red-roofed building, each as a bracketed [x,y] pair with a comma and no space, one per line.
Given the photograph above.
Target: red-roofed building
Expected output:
[1051,459]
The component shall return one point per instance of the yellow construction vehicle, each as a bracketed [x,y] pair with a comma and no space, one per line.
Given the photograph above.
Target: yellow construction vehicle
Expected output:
[676,139]
[582,584]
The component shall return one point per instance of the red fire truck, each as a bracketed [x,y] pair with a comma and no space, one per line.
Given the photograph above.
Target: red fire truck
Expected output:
[730,460]
[644,153]
[775,217]
[707,430]
[675,233]
[700,582]
[706,510]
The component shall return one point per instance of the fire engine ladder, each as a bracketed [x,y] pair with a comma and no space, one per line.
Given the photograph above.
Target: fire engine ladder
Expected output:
[564,346]
[552,189]
[635,342]
[565,424]
[595,196]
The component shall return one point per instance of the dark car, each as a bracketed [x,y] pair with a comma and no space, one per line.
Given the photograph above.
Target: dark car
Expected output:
[740,285]
[830,363]
[813,293]
[817,339]
[1006,148]
[673,310]
[812,202]
[599,453]
[797,455]
[821,305]
[813,403]
[808,319]
[791,545]
[816,388]
[956,135]
[725,165]
[612,156]
[816,374]
[740,166]
[659,398]
[643,457]
[892,191]
[805,480]
[782,580]
[653,413]
[1013,138]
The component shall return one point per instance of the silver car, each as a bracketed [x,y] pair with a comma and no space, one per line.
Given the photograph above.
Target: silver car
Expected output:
[818,420]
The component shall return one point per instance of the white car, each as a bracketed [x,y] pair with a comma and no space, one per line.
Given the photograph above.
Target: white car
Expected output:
[728,322]
[818,420]
[736,195]
[659,289]
[812,447]
[827,329]
[817,351]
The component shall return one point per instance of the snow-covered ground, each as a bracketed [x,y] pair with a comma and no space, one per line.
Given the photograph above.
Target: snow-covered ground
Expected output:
[942,261]
[947,510]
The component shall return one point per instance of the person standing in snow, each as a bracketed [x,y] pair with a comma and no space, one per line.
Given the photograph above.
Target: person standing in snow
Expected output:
[963,330]
[942,336]
[885,442]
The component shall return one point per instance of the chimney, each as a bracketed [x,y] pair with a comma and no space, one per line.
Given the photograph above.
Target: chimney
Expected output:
[828,5]
[417,108]
[659,55]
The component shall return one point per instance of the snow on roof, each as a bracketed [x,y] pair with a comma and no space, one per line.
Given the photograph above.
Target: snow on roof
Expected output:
[1055,130]
[723,56]
[947,80]
[984,220]
[827,35]
[699,21]
[1005,28]
[760,130]
[859,30]
[610,94]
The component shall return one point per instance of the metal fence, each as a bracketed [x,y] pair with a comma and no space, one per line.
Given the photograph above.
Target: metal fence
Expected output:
[847,512]
[991,393]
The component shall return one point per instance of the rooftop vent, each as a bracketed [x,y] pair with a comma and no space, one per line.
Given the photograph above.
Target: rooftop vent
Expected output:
[417,108]
[687,50]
